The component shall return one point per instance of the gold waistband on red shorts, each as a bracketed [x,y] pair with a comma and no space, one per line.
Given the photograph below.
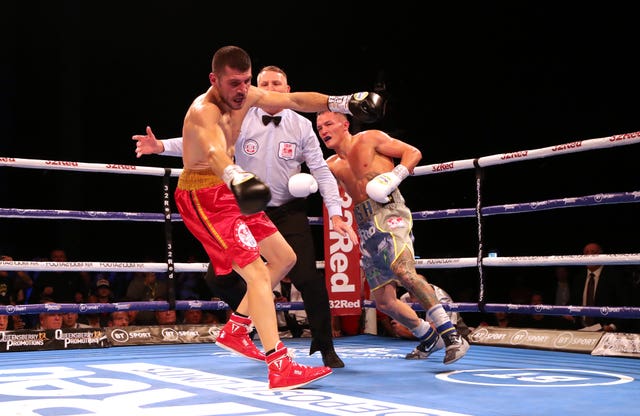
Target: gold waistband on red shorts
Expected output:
[191,180]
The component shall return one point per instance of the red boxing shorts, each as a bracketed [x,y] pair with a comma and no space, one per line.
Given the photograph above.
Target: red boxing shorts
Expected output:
[210,212]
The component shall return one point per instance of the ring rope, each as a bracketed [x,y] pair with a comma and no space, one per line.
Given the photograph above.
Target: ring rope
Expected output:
[86,167]
[156,305]
[435,263]
[479,222]
[491,160]
[30,309]
[581,201]
[85,215]
[617,312]
[521,155]
[477,163]
[99,266]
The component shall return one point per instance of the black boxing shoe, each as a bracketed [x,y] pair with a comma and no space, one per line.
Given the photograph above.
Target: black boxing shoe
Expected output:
[331,359]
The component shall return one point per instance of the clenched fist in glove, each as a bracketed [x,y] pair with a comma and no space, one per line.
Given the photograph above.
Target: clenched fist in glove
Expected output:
[302,185]
[252,194]
[382,185]
[365,106]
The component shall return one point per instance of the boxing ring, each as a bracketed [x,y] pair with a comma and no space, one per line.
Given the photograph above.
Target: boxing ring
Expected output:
[194,379]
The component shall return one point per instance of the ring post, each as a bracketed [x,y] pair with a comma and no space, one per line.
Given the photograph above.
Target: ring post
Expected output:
[168,238]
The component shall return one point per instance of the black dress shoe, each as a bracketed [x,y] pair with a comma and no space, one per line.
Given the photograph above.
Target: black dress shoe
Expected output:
[331,359]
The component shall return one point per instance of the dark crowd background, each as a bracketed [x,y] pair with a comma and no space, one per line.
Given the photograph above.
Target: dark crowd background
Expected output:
[462,81]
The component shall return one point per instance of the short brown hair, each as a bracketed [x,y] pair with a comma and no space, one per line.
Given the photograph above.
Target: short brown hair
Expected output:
[273,68]
[231,56]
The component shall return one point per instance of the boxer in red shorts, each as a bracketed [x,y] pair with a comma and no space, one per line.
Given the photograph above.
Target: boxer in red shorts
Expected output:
[217,199]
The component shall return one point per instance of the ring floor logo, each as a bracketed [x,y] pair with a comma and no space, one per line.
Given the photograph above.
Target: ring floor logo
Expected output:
[151,389]
[534,377]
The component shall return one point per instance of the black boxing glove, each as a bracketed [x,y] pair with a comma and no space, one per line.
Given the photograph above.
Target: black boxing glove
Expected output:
[365,106]
[251,193]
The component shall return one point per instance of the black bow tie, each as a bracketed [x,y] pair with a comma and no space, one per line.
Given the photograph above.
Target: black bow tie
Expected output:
[266,119]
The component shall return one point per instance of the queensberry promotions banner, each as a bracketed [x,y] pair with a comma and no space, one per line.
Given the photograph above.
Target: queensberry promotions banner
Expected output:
[342,264]
[52,339]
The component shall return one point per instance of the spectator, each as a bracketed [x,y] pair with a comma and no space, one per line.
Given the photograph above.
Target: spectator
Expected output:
[61,286]
[633,325]
[546,321]
[103,292]
[70,320]
[499,319]
[49,320]
[563,285]
[166,317]
[283,322]
[291,323]
[4,322]
[610,288]
[519,294]
[146,287]
[299,315]
[211,318]
[562,290]
[7,289]
[133,313]
[133,316]
[118,318]
[191,285]
[13,284]
[192,317]
[91,319]
[118,283]
[221,315]
[11,322]
[502,319]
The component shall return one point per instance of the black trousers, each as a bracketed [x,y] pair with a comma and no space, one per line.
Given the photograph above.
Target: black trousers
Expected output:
[292,222]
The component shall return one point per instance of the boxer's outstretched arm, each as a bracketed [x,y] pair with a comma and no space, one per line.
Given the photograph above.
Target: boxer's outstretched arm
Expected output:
[148,144]
[365,106]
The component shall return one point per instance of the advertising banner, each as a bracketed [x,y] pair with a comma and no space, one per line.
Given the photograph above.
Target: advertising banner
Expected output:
[342,264]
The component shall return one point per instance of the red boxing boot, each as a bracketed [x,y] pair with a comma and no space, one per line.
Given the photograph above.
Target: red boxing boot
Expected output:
[286,374]
[234,336]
